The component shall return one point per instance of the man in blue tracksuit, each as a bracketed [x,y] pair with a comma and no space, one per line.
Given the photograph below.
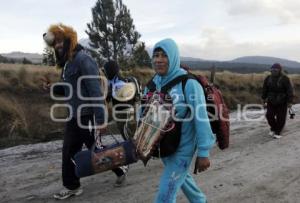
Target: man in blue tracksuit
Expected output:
[196,134]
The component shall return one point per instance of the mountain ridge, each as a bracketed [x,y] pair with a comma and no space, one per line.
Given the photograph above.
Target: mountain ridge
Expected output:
[33,57]
[262,60]
[268,60]
[257,63]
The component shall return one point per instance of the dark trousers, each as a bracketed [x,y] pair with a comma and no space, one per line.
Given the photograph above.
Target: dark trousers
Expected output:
[74,139]
[276,116]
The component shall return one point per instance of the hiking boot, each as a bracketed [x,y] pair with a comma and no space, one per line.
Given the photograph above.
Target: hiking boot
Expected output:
[272,133]
[65,193]
[277,136]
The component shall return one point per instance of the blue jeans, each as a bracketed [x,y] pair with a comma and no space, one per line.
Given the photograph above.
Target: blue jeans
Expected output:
[175,176]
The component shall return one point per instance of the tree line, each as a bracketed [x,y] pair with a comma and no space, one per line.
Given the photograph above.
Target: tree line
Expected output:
[13,60]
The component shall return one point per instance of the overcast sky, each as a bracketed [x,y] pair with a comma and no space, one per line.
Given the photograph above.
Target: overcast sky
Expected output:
[208,29]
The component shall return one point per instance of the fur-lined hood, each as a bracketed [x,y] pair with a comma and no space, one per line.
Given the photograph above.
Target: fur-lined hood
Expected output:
[61,31]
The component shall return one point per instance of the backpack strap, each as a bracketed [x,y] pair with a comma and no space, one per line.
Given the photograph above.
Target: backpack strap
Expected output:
[182,78]
[151,86]
[189,76]
[174,82]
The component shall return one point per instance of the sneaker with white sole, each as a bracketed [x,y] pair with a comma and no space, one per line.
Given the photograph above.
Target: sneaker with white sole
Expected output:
[277,136]
[125,168]
[65,193]
[272,133]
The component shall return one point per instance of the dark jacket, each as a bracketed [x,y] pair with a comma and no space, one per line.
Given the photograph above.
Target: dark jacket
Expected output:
[277,90]
[82,65]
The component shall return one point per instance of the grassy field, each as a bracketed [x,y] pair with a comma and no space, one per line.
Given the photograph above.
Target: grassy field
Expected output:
[25,106]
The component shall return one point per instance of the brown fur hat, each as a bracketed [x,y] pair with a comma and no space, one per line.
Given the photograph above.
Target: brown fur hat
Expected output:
[61,32]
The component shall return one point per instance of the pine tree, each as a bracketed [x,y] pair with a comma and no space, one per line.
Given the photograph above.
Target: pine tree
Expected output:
[140,56]
[111,32]
[48,57]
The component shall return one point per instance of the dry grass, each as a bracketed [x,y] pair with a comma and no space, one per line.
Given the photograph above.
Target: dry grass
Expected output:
[25,107]
[236,88]
[247,88]
[20,77]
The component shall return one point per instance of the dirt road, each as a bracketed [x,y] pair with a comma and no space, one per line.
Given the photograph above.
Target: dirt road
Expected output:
[256,168]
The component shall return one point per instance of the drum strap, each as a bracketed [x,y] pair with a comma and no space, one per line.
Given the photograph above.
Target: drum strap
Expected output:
[98,141]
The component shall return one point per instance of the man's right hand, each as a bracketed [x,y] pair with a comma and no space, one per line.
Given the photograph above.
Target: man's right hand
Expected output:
[201,164]
[46,84]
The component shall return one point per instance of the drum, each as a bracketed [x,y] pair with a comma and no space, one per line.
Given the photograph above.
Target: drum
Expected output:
[156,119]
[89,162]
[123,91]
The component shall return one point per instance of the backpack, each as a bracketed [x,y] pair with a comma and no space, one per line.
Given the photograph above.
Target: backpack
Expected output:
[216,109]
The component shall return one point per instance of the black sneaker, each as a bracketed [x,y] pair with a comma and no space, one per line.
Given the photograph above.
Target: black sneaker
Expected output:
[120,181]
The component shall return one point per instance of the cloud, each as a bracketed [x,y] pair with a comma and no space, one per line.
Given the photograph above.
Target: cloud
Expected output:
[153,26]
[24,21]
[285,11]
[217,44]
[215,29]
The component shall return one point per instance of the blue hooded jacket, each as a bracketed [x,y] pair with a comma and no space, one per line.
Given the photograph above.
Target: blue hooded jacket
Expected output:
[195,133]
[81,93]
